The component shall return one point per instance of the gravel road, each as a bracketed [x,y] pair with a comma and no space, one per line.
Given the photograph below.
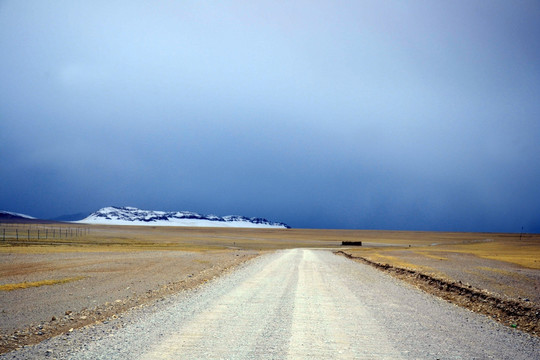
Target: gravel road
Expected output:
[295,304]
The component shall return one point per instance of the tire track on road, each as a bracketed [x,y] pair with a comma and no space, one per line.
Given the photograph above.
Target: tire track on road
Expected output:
[239,323]
[328,320]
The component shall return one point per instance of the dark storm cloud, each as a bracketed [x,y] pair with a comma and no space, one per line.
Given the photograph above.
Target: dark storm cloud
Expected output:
[419,115]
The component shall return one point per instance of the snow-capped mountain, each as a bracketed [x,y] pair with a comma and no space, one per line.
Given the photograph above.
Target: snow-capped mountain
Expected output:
[132,216]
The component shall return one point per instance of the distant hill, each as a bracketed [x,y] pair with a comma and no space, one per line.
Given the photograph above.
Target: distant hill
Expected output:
[12,217]
[133,216]
[71,217]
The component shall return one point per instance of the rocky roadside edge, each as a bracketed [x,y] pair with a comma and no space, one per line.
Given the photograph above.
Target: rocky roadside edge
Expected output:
[103,313]
[522,315]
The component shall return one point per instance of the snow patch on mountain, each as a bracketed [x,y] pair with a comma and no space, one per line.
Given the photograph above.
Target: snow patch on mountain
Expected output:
[127,215]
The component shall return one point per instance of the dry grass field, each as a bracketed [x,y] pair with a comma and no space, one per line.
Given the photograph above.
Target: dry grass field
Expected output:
[54,277]
[523,250]
[497,275]
[138,238]
[505,264]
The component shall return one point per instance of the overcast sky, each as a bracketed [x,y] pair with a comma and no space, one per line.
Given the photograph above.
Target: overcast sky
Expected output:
[411,115]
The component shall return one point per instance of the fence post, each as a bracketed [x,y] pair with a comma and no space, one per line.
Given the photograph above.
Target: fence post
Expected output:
[17,233]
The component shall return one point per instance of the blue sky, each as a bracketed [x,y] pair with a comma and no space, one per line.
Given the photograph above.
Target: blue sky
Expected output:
[412,115]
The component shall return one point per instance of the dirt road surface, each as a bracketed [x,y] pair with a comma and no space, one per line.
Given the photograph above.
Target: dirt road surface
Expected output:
[295,304]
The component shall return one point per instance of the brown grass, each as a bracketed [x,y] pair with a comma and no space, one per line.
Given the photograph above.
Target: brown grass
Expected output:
[25,285]
[502,247]
[395,261]
[435,245]
[430,255]
[523,254]
[136,238]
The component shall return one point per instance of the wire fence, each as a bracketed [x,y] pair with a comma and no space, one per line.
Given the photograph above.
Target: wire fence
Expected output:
[20,232]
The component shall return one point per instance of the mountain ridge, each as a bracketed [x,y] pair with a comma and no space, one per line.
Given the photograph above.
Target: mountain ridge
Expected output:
[127,215]
[18,218]
[15,215]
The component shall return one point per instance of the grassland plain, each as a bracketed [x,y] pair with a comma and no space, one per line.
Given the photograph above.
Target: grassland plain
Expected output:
[98,271]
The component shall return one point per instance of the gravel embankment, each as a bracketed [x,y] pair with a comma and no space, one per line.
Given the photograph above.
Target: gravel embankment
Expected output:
[295,304]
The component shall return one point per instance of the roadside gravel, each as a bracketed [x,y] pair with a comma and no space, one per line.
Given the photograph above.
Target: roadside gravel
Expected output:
[304,304]
[104,277]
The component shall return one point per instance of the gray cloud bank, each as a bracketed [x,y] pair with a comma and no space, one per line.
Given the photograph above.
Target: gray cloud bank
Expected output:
[380,115]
